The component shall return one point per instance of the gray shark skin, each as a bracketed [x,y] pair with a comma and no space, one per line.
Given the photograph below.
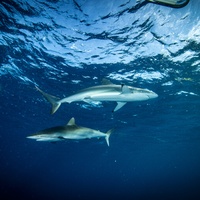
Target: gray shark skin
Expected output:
[106,92]
[69,131]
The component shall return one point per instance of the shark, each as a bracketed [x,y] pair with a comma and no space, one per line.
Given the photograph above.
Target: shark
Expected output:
[105,92]
[69,131]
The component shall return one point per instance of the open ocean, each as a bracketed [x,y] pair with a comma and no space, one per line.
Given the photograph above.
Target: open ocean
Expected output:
[63,46]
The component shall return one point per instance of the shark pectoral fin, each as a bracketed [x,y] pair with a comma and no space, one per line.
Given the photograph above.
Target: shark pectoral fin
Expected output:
[119,105]
[125,89]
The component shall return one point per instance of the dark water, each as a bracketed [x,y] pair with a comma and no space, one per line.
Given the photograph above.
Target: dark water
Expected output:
[64,46]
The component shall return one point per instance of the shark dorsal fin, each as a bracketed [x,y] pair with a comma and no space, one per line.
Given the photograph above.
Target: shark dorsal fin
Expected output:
[71,122]
[125,89]
[106,82]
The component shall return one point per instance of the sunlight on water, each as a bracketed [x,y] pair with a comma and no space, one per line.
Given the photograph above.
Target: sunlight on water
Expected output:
[64,46]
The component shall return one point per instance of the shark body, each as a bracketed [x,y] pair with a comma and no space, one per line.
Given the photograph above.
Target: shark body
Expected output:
[106,92]
[69,131]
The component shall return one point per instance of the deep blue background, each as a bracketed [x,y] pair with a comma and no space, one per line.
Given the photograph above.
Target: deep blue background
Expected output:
[154,151]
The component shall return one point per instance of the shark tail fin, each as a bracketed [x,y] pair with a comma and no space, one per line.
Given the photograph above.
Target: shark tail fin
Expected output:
[108,136]
[52,99]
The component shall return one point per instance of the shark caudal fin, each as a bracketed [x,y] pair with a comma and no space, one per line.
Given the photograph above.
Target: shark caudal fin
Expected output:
[108,136]
[52,99]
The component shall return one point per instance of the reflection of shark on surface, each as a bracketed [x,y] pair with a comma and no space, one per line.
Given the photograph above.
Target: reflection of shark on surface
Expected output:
[106,92]
[69,131]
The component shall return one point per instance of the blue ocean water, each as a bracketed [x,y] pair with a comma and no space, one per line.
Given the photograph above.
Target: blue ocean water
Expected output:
[63,46]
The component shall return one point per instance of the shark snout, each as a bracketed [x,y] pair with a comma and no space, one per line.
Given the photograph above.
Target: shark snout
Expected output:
[152,95]
[32,137]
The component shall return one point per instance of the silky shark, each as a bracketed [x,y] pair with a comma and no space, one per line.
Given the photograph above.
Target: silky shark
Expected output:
[69,131]
[105,92]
